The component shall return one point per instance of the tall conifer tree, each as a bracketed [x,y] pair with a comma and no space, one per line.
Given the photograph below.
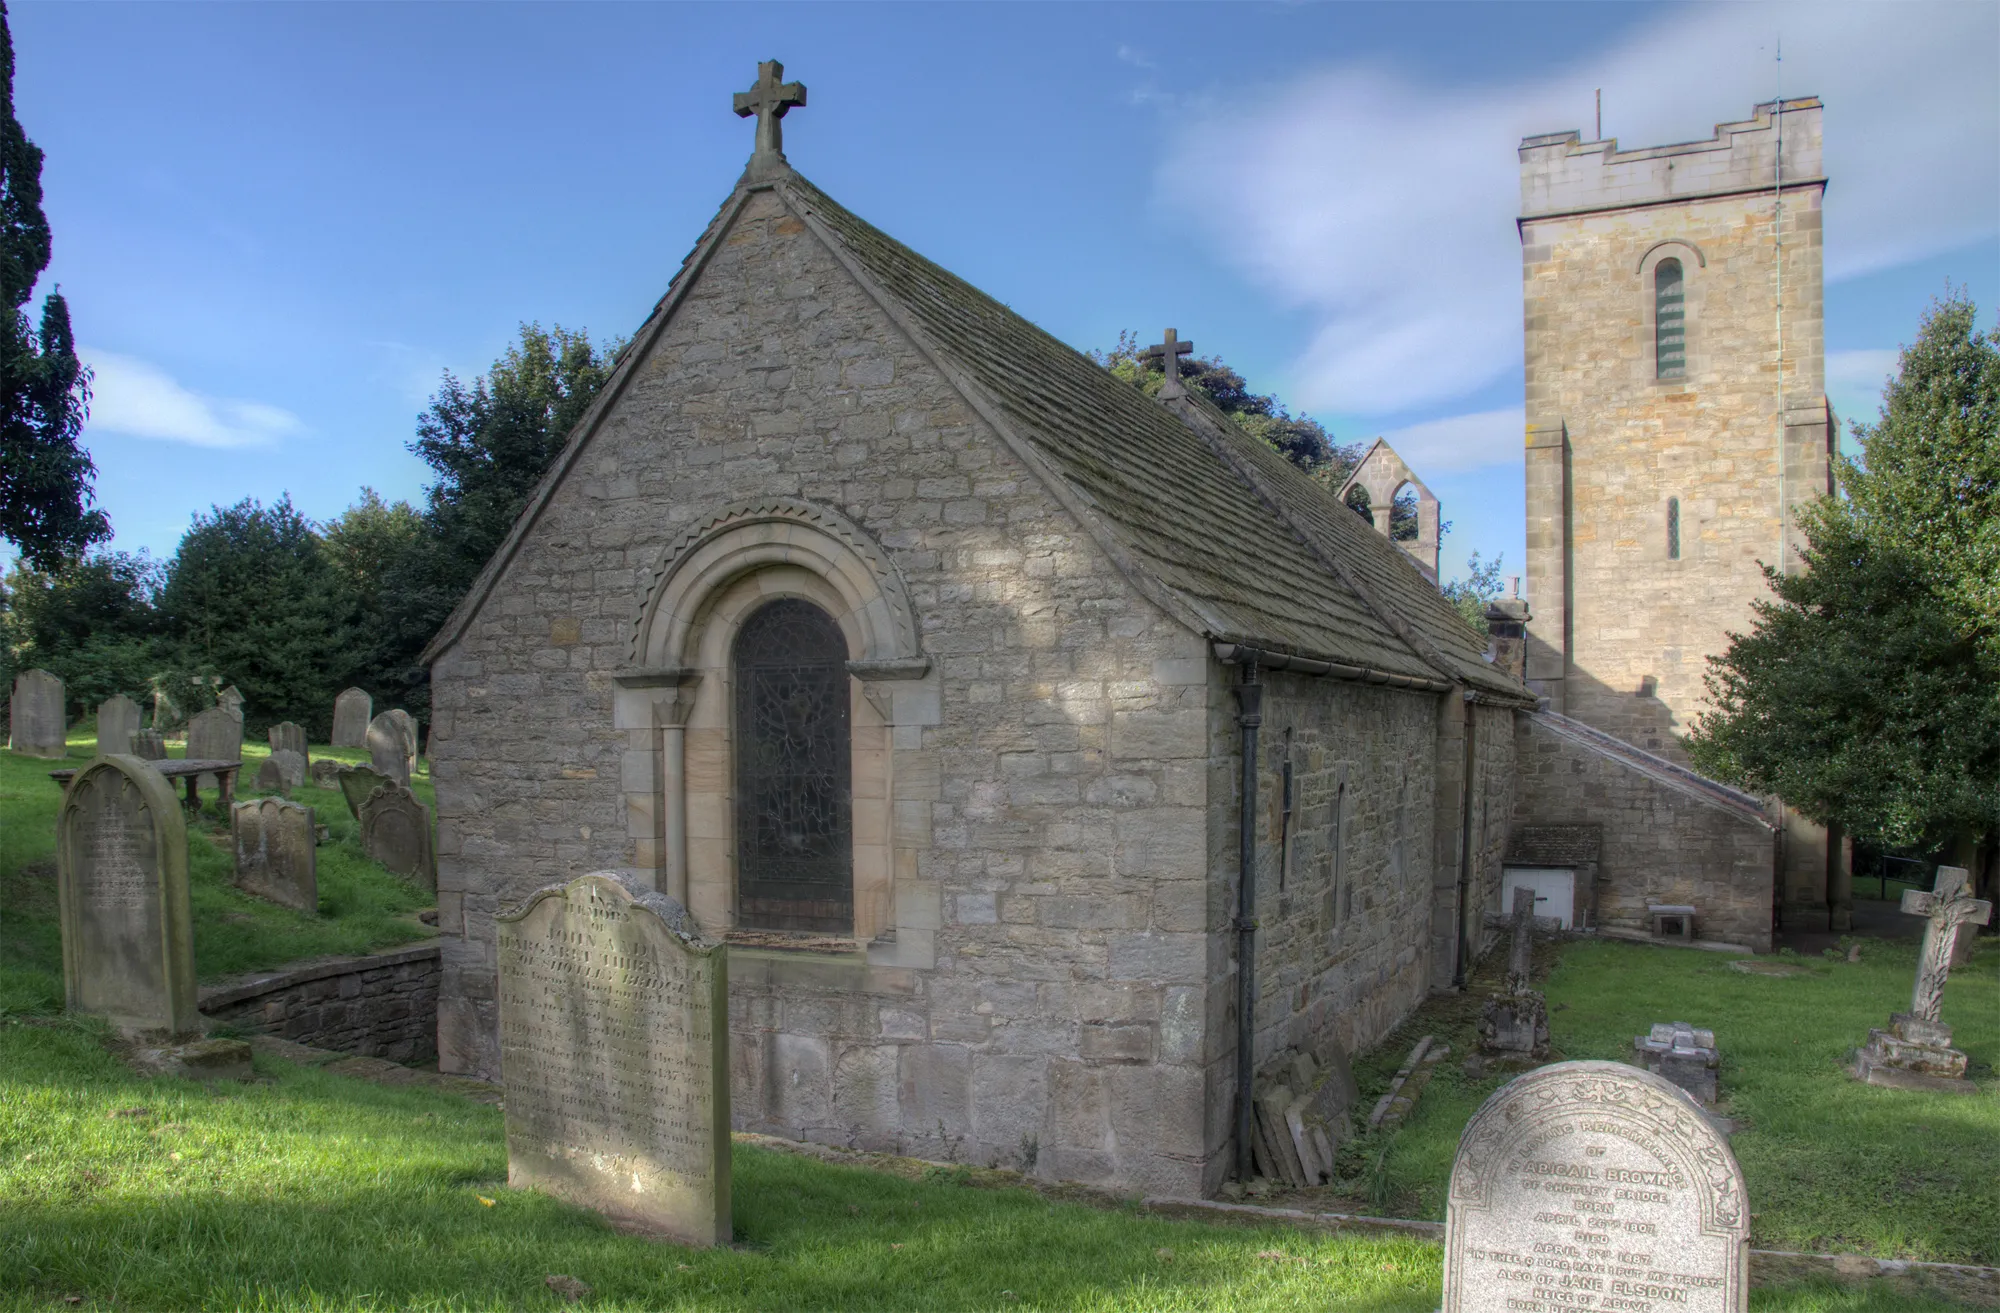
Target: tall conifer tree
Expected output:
[45,477]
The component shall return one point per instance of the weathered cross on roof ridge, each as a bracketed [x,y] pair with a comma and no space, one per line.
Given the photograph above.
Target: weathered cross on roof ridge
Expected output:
[768,100]
[1168,353]
[1948,905]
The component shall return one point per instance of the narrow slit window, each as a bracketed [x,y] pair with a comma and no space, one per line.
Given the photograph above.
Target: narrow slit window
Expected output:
[1673,528]
[1669,320]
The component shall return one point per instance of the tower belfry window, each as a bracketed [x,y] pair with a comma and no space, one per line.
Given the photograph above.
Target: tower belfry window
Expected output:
[1669,320]
[1673,528]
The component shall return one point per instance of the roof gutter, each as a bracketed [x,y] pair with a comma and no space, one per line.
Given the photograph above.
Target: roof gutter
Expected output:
[1241,655]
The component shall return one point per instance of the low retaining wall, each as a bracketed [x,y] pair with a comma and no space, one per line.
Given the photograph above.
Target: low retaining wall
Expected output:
[381,1005]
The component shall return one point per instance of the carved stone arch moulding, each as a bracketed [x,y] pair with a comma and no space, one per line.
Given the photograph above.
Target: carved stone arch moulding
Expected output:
[750,536]
[1700,260]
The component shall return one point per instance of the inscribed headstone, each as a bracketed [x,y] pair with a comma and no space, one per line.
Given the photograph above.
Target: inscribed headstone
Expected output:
[396,831]
[270,778]
[392,745]
[325,773]
[276,853]
[117,722]
[214,735]
[351,713]
[357,782]
[122,874]
[149,745]
[289,767]
[614,1035]
[1598,1180]
[287,737]
[35,716]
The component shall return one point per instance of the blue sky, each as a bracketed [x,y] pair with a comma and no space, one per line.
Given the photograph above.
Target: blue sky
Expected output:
[277,224]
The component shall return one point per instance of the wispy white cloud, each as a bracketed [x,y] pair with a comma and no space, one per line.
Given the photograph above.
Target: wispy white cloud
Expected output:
[141,400]
[1461,442]
[1854,382]
[1383,205]
[1135,57]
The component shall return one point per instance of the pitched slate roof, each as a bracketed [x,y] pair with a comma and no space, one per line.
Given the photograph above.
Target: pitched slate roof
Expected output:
[1216,528]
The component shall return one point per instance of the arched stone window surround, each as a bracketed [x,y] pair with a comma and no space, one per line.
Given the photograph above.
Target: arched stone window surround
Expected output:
[677,699]
[1693,291]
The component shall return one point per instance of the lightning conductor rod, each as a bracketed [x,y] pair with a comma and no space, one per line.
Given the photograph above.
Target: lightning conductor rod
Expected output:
[1600,115]
[1778,252]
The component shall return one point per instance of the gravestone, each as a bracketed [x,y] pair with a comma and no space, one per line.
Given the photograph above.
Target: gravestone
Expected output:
[166,712]
[1915,1052]
[287,737]
[231,700]
[288,767]
[122,878]
[1594,1185]
[149,745]
[396,831]
[35,716]
[270,778]
[1682,1054]
[392,745]
[614,1042]
[1514,1026]
[276,853]
[214,735]
[117,722]
[325,773]
[351,713]
[357,782]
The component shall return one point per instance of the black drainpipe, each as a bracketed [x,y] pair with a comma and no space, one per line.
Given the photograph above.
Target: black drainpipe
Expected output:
[1250,700]
[1465,843]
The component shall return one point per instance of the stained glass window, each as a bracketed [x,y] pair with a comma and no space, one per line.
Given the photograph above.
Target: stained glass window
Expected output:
[1669,320]
[794,798]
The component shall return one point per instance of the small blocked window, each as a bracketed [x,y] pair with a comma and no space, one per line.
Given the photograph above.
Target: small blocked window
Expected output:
[1673,528]
[1669,320]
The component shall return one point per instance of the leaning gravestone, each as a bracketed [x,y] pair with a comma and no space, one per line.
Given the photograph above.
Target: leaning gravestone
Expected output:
[214,735]
[357,782]
[117,722]
[351,713]
[122,876]
[287,737]
[396,831]
[1594,1185]
[392,745]
[276,853]
[614,1049]
[35,716]
[149,745]
[325,773]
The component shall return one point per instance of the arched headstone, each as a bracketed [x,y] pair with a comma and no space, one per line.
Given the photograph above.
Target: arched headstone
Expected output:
[396,831]
[36,718]
[214,735]
[352,711]
[287,737]
[357,782]
[392,745]
[277,854]
[117,722]
[1597,1179]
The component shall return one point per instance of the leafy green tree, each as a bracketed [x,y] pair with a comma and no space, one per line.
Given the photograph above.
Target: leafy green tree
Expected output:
[90,621]
[1471,594]
[46,496]
[377,549]
[1867,692]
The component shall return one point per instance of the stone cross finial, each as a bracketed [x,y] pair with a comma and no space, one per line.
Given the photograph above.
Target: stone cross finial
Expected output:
[1948,906]
[768,100]
[1168,353]
[1521,957]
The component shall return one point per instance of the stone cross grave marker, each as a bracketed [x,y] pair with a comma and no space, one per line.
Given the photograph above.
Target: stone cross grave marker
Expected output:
[1594,1185]
[122,884]
[1515,1025]
[1169,354]
[357,782]
[1916,1052]
[277,854]
[117,722]
[231,700]
[214,735]
[396,831]
[1949,905]
[352,711]
[614,1049]
[149,745]
[35,716]
[285,736]
[769,98]
[392,745]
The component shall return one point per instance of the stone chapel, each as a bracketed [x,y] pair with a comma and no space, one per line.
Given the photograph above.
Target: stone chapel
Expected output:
[958,685]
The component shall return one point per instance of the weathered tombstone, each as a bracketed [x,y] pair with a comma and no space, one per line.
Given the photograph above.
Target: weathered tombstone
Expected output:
[287,737]
[1594,1185]
[149,745]
[166,712]
[289,766]
[325,773]
[392,745]
[270,778]
[276,854]
[122,876]
[396,831]
[1915,1052]
[357,782]
[614,1047]
[351,712]
[117,722]
[1682,1054]
[1515,1026]
[35,716]
[214,735]
[231,700]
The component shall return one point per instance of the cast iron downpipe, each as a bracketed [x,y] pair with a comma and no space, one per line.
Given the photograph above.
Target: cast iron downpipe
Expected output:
[1250,702]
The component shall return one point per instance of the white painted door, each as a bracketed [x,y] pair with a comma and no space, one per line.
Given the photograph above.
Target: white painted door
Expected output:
[1555,890]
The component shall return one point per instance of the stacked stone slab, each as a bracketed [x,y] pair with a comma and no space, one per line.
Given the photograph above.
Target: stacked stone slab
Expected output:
[351,712]
[396,831]
[35,716]
[392,744]
[1680,1053]
[1302,1115]
[614,1032]
[1915,1052]
[1597,1179]
[214,735]
[122,877]
[277,852]
[117,723]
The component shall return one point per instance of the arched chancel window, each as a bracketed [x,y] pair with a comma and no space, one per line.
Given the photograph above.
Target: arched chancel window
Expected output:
[1669,320]
[1673,528]
[794,797]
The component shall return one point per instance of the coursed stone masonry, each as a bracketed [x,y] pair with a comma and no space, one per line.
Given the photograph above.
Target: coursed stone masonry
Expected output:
[381,1005]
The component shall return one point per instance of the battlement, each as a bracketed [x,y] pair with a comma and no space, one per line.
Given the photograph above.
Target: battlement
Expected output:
[1563,174]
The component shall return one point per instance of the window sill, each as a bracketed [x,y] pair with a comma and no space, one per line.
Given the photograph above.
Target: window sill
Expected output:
[789,941]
